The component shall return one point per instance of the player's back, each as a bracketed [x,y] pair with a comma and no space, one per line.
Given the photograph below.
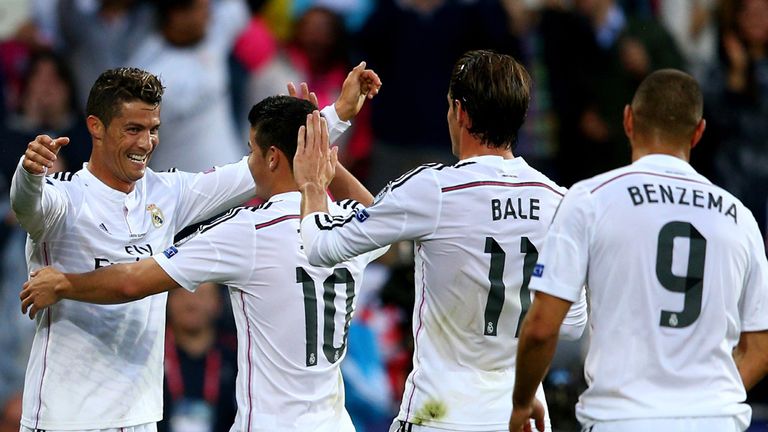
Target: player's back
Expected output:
[669,258]
[472,274]
[292,320]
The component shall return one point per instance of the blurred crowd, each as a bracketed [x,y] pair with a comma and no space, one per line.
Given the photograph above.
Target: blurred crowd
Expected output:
[218,57]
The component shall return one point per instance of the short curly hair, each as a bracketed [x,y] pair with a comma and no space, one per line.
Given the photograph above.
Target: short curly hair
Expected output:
[495,90]
[117,86]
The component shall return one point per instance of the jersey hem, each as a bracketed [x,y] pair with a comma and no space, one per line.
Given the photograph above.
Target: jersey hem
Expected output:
[74,426]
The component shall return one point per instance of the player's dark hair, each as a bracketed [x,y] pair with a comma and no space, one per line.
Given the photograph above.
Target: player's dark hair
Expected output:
[276,121]
[117,86]
[668,102]
[494,90]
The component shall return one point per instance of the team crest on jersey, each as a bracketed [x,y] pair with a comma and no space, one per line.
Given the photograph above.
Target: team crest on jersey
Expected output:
[156,215]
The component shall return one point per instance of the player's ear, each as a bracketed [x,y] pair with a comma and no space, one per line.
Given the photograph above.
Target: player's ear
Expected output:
[462,118]
[95,127]
[273,158]
[629,121]
[698,132]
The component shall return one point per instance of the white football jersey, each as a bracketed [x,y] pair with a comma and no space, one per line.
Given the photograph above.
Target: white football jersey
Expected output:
[477,228]
[101,366]
[676,270]
[292,318]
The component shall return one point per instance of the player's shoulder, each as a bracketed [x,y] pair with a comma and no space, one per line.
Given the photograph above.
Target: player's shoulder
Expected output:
[68,182]
[527,174]
[345,206]
[61,176]
[598,182]
[414,175]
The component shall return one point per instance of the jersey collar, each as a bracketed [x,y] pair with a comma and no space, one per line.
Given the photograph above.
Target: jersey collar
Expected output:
[292,196]
[495,160]
[99,188]
[667,163]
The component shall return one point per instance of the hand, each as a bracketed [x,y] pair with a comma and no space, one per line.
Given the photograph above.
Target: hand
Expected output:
[305,93]
[361,83]
[314,162]
[41,153]
[521,415]
[40,291]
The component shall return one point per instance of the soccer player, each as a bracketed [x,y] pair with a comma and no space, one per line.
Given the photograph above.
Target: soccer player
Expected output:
[477,227]
[96,367]
[292,318]
[677,277]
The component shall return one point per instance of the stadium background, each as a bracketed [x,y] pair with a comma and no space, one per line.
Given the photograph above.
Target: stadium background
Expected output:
[585,56]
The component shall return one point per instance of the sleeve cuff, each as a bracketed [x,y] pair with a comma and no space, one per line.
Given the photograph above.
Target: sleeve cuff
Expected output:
[335,126]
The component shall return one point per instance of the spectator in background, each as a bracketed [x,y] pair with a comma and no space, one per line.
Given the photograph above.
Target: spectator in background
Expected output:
[693,26]
[412,44]
[190,50]
[318,54]
[199,394]
[101,34]
[736,91]
[597,55]
[47,106]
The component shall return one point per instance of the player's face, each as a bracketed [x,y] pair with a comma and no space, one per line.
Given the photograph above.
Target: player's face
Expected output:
[453,127]
[122,154]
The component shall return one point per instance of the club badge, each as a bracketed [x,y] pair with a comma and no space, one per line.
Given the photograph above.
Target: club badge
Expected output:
[156,214]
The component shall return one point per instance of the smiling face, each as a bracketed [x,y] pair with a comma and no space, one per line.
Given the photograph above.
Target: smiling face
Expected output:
[121,149]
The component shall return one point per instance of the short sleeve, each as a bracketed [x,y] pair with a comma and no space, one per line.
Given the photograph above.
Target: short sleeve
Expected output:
[562,266]
[217,253]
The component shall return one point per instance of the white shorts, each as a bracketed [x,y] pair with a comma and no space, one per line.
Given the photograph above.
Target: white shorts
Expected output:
[686,424]
[148,427]
[398,426]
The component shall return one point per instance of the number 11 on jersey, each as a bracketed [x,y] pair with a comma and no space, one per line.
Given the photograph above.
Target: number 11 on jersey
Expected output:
[497,294]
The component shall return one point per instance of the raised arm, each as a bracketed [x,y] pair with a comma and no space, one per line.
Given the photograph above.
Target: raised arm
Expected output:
[36,210]
[360,84]
[119,283]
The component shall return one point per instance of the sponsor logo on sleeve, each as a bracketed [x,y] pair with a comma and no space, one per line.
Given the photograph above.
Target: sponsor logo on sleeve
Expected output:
[171,251]
[538,270]
[361,215]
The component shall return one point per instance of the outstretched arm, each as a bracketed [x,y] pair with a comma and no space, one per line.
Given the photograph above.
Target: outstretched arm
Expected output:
[751,356]
[117,283]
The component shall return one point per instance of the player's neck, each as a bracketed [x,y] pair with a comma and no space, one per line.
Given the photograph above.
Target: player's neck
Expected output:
[108,178]
[473,148]
[680,152]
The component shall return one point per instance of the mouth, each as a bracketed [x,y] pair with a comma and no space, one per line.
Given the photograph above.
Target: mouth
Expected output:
[137,158]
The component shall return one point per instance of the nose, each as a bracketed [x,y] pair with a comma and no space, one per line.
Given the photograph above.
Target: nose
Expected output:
[147,141]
